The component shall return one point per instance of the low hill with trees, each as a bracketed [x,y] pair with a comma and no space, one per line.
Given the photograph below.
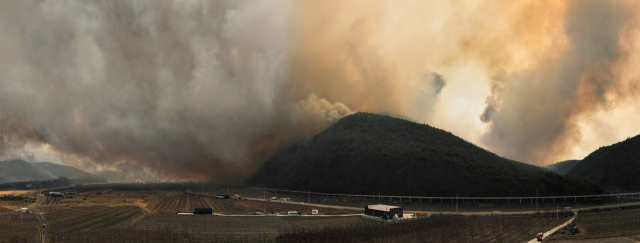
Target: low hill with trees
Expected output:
[562,167]
[615,166]
[369,154]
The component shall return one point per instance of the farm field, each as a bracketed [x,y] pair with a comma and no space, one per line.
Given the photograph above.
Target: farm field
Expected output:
[269,207]
[76,220]
[184,203]
[606,225]
[209,227]
[52,202]
[19,227]
[148,215]
[433,229]
[15,192]
[16,202]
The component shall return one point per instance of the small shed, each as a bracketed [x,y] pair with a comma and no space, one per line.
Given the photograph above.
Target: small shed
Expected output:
[55,194]
[203,211]
[383,211]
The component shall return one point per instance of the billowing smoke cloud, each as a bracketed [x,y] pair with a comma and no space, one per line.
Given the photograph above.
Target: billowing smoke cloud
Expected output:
[200,89]
[534,113]
[191,89]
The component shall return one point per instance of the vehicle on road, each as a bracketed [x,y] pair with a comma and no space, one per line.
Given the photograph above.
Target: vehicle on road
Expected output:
[301,203]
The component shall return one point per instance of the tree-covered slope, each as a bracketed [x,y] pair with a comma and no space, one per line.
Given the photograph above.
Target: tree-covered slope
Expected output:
[367,153]
[562,167]
[615,166]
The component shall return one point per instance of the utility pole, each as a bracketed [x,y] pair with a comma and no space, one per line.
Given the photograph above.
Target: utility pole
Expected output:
[309,196]
[202,187]
[557,212]
[378,197]
[536,199]
[456,202]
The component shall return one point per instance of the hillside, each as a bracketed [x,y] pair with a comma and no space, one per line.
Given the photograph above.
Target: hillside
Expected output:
[562,167]
[18,170]
[366,154]
[61,170]
[615,166]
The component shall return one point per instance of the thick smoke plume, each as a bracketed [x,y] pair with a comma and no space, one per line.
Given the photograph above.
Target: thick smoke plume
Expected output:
[534,114]
[201,89]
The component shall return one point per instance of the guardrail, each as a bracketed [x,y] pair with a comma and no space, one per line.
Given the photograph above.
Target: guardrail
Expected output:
[575,197]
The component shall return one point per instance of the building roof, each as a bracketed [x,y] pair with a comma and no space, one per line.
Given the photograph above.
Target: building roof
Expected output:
[381,207]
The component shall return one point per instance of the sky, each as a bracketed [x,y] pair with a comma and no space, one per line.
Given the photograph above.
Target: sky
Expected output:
[201,89]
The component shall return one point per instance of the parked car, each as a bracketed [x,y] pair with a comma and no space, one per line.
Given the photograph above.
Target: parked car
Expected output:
[301,203]
[258,213]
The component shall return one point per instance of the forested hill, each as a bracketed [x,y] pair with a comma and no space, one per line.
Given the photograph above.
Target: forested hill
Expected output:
[367,153]
[562,167]
[615,166]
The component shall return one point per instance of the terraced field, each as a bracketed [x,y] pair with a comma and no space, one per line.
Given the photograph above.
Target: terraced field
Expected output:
[183,203]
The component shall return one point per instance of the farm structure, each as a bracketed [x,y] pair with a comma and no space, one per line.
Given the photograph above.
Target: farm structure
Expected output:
[383,211]
[203,211]
[55,194]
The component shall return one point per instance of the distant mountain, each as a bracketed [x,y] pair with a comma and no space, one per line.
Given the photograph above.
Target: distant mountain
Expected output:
[19,170]
[61,170]
[562,167]
[127,172]
[367,153]
[615,166]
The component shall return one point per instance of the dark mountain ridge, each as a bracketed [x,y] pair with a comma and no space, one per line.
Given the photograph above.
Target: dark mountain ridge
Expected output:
[367,154]
[562,167]
[615,167]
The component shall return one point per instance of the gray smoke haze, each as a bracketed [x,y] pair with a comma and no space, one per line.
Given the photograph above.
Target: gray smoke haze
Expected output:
[201,89]
[534,113]
[185,87]
[190,89]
